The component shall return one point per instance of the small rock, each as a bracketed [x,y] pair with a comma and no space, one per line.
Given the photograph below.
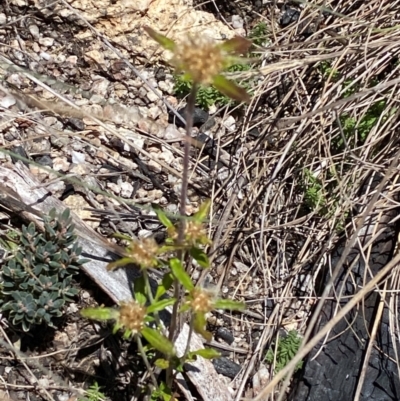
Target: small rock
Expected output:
[171,132]
[126,189]
[237,22]
[44,382]
[76,123]
[166,155]
[96,56]
[230,123]
[97,99]
[167,87]
[290,15]
[225,335]
[160,75]
[152,96]
[47,42]
[131,136]
[45,161]
[61,164]
[59,141]
[57,187]
[114,187]
[80,169]
[34,31]
[199,117]
[260,379]
[145,233]
[72,308]
[254,132]
[154,112]
[226,367]
[154,166]
[7,101]
[19,150]
[100,87]
[72,60]
[77,158]
[172,208]
[3,19]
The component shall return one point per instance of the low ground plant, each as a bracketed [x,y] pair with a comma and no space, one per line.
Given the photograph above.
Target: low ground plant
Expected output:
[201,62]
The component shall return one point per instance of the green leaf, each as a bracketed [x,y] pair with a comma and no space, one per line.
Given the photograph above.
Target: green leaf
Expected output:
[100,314]
[165,42]
[236,45]
[139,289]
[206,353]
[158,341]
[203,212]
[180,274]
[200,326]
[165,285]
[160,305]
[162,363]
[119,263]
[200,257]
[230,89]
[229,304]
[165,221]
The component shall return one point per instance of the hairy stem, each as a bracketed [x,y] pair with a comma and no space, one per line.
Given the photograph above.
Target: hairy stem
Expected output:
[182,211]
[146,361]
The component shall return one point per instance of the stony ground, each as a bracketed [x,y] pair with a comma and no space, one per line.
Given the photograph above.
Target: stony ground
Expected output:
[284,178]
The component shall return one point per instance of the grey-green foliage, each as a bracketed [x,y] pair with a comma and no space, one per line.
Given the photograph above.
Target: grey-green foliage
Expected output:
[36,283]
[286,349]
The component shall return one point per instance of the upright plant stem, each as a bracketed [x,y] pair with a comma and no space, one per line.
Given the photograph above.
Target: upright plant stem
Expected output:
[182,211]
[185,175]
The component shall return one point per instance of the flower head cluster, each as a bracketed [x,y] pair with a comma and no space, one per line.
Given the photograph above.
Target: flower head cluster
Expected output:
[195,233]
[203,61]
[132,316]
[144,252]
[201,300]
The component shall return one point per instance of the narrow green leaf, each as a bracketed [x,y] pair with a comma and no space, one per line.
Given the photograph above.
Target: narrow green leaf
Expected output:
[236,45]
[200,257]
[203,212]
[230,89]
[139,289]
[100,314]
[119,263]
[206,353]
[160,305]
[229,304]
[165,42]
[165,221]
[158,341]
[180,274]
[200,326]
[165,285]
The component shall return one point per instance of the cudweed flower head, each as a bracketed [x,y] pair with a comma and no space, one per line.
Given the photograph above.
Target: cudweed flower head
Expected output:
[195,233]
[132,316]
[142,252]
[202,61]
[201,300]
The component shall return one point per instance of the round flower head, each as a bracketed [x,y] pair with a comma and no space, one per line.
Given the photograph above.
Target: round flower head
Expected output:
[131,316]
[203,61]
[200,59]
